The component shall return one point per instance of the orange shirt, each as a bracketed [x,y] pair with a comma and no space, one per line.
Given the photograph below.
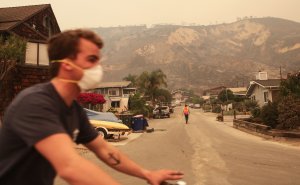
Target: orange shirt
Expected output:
[186,110]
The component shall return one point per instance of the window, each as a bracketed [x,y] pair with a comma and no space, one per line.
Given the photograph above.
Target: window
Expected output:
[113,92]
[48,24]
[43,55]
[266,97]
[31,53]
[36,54]
[115,104]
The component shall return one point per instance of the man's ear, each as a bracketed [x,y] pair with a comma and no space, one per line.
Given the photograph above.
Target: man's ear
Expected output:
[67,64]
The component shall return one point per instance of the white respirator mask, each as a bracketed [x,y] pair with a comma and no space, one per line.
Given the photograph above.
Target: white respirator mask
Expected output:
[91,77]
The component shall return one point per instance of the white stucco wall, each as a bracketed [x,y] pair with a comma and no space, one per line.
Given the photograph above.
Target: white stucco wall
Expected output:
[258,92]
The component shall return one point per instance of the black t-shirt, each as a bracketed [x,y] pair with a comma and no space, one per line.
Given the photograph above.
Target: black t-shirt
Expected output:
[36,113]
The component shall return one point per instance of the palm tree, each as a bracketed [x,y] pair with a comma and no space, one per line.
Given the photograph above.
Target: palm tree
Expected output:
[132,79]
[149,83]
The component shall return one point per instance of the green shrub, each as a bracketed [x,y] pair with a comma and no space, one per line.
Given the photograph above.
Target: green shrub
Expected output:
[289,112]
[206,107]
[137,105]
[255,112]
[269,114]
[250,105]
[217,109]
[239,106]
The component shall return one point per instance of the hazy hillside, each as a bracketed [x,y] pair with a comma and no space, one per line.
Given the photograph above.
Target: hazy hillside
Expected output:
[200,57]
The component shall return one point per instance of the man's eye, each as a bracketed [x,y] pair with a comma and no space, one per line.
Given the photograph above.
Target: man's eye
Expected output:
[93,60]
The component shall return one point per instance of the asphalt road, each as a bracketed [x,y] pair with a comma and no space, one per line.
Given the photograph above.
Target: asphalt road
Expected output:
[208,152]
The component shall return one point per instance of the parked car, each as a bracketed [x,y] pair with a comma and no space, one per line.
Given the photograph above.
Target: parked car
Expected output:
[161,112]
[191,105]
[197,106]
[107,124]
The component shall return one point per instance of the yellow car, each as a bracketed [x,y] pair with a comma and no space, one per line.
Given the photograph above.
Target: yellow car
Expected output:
[107,124]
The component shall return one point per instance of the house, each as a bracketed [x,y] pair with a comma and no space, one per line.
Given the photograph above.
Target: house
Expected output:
[263,89]
[179,96]
[212,93]
[35,23]
[116,94]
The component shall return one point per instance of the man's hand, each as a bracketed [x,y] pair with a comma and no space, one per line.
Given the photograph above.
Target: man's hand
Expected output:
[157,177]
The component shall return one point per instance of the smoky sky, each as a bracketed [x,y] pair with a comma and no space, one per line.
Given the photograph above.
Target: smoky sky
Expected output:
[106,13]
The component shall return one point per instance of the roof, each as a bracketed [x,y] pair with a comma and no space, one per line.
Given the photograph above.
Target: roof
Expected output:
[238,90]
[114,84]
[267,84]
[214,91]
[12,16]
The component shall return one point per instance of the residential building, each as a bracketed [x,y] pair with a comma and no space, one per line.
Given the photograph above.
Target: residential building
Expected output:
[212,93]
[263,89]
[35,23]
[116,94]
[179,96]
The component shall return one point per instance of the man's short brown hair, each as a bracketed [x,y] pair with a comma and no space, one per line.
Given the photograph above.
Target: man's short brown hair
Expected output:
[66,45]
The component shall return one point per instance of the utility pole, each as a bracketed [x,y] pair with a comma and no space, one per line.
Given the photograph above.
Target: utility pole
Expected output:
[280,74]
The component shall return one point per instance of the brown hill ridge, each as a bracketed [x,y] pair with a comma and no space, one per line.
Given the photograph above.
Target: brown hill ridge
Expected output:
[200,57]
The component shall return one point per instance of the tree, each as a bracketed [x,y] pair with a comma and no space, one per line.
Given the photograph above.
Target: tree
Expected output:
[196,100]
[137,105]
[291,86]
[163,95]
[149,83]
[289,104]
[225,95]
[289,112]
[132,79]
[12,51]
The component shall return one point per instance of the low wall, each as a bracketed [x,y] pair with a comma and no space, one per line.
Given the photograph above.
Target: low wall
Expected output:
[247,126]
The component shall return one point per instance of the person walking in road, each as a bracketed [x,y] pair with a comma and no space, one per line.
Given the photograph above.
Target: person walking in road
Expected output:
[186,113]
[43,121]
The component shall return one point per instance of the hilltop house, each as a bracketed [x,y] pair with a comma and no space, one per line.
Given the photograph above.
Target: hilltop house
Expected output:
[263,89]
[116,94]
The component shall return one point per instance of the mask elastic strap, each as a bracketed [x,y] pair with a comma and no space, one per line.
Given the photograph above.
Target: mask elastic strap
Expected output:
[66,80]
[65,61]
[62,79]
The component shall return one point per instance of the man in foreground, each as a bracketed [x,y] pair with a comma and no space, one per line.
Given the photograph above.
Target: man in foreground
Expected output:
[40,125]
